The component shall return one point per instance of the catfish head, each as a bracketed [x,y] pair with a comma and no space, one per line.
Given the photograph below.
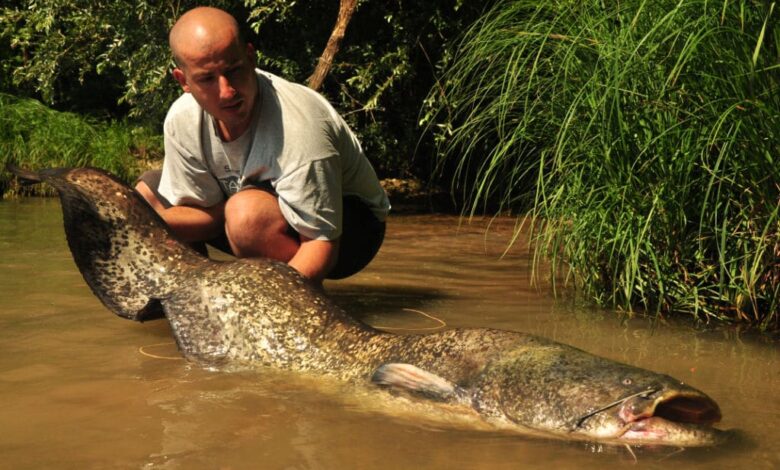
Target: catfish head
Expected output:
[567,392]
[549,389]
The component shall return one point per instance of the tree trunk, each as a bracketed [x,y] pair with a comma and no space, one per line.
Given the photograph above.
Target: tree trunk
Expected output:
[346,9]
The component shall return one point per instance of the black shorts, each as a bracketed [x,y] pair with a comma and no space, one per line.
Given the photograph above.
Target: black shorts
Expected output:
[361,236]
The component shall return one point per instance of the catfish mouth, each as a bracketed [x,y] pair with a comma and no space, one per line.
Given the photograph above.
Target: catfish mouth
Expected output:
[671,418]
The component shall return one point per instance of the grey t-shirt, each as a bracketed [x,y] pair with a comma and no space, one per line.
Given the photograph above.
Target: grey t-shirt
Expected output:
[297,142]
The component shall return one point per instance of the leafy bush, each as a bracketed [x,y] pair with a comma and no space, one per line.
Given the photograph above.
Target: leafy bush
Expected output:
[112,58]
[383,71]
[85,56]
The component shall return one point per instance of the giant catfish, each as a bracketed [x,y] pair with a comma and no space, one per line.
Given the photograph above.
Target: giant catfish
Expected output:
[258,312]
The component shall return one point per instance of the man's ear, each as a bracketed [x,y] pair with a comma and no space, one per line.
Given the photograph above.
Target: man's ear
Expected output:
[251,55]
[178,74]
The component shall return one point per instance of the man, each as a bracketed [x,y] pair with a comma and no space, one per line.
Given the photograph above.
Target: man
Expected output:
[263,164]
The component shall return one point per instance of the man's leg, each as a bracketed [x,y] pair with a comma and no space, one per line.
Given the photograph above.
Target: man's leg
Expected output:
[255,226]
[362,235]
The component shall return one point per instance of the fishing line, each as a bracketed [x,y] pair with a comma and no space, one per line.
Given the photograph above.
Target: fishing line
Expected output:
[631,451]
[155,356]
[441,323]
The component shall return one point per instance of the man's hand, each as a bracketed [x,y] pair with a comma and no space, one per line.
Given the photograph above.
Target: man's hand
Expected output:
[189,223]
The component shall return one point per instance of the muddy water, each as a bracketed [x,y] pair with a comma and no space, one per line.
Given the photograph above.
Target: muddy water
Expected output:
[81,388]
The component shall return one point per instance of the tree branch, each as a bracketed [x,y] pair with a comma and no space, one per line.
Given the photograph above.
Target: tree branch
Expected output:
[346,9]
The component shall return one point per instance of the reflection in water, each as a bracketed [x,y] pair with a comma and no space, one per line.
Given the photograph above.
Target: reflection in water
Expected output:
[78,391]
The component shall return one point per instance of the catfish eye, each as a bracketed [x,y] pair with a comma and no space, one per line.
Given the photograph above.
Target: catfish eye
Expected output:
[627,381]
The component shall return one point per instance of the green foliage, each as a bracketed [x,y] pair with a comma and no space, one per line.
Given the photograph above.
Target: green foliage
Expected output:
[92,56]
[644,137]
[34,136]
[383,71]
[112,58]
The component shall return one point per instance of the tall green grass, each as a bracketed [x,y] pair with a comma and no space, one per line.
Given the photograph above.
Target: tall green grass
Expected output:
[642,136]
[34,136]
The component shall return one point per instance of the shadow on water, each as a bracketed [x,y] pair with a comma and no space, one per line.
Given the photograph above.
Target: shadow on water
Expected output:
[366,302]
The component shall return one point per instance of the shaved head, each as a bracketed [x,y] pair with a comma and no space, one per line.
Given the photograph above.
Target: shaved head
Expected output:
[217,67]
[200,29]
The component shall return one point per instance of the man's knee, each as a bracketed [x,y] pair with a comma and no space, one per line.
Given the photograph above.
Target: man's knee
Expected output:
[255,226]
[253,209]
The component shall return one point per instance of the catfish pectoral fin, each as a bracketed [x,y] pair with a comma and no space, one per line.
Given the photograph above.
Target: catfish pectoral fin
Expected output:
[413,379]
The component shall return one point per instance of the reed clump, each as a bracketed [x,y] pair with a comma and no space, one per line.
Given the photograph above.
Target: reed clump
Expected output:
[642,136]
[34,136]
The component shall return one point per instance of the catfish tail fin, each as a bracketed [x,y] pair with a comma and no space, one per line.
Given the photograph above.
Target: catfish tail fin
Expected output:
[126,253]
[25,177]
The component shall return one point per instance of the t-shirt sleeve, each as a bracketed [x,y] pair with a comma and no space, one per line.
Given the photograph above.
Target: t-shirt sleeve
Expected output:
[310,199]
[185,179]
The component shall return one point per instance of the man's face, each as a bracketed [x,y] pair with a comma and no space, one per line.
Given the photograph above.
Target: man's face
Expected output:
[220,75]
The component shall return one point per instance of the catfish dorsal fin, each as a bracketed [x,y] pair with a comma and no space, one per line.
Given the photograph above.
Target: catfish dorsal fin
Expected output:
[411,378]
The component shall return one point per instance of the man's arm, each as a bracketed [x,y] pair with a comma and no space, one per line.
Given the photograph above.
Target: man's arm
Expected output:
[315,258]
[192,223]
[189,223]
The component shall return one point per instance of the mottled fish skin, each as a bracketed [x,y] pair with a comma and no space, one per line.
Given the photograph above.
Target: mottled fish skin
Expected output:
[123,248]
[262,312]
